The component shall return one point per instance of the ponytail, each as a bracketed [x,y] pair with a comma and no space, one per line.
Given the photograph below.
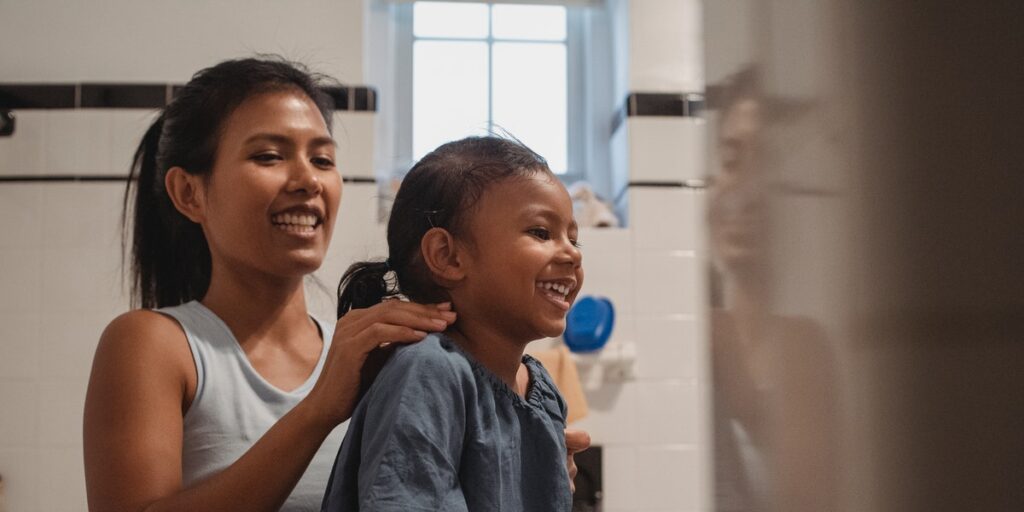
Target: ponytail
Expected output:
[365,284]
[170,258]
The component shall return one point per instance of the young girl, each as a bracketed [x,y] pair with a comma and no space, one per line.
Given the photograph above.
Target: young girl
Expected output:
[464,420]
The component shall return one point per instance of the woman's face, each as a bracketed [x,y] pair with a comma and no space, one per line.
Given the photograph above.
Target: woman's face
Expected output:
[737,213]
[272,198]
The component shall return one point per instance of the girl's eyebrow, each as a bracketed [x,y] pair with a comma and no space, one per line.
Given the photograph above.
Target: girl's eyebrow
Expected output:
[548,213]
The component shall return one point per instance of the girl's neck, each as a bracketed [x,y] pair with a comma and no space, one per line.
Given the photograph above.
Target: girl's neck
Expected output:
[498,353]
[257,308]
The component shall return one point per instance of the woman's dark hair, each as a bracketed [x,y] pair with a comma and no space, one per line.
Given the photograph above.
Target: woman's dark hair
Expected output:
[439,191]
[170,258]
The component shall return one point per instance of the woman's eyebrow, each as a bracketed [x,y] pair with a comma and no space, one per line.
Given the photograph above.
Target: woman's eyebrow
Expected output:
[283,140]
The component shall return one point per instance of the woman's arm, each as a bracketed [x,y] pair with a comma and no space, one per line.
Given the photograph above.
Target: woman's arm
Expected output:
[142,380]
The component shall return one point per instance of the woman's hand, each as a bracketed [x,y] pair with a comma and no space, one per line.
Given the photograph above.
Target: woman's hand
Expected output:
[359,333]
[576,441]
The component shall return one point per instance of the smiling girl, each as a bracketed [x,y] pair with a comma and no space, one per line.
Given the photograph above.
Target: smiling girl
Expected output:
[464,420]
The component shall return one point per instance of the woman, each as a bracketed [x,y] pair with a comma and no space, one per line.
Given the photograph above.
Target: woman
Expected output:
[226,397]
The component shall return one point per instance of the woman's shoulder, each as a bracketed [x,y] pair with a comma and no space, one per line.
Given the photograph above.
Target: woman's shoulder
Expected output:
[143,337]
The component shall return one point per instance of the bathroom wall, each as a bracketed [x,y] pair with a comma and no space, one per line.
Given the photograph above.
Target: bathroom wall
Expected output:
[60,253]
[60,247]
[651,415]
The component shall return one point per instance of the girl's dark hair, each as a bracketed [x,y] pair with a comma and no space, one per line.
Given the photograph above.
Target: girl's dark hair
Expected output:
[170,258]
[439,191]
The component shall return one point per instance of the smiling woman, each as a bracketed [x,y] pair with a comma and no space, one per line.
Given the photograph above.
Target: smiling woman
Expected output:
[228,395]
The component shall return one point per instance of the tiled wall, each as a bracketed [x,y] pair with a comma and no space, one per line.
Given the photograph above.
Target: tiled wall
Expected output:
[60,257]
[653,420]
[61,279]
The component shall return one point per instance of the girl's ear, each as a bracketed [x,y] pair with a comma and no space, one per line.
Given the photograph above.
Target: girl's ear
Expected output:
[186,192]
[443,257]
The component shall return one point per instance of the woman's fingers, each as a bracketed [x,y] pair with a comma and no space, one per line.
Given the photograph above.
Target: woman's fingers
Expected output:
[425,318]
[576,441]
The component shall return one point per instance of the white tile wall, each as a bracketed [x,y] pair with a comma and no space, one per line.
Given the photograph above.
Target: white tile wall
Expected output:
[653,426]
[78,142]
[59,41]
[667,218]
[668,478]
[60,272]
[24,152]
[669,347]
[669,282]
[61,484]
[19,345]
[126,130]
[607,264]
[354,133]
[20,209]
[19,466]
[19,280]
[666,148]
[666,46]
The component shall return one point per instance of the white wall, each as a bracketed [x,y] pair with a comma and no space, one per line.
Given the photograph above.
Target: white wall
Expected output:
[60,249]
[149,40]
[653,421]
[59,255]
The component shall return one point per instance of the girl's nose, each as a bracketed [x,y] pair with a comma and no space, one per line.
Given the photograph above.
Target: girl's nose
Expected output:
[571,254]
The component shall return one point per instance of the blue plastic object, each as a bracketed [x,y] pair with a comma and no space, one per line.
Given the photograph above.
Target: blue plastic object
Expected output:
[589,324]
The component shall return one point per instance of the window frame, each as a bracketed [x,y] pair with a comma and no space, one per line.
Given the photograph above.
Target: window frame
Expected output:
[576,135]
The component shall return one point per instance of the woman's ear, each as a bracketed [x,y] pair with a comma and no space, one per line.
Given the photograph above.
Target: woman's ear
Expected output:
[186,192]
[443,257]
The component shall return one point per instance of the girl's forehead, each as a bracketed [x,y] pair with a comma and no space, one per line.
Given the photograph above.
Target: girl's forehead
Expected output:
[525,195]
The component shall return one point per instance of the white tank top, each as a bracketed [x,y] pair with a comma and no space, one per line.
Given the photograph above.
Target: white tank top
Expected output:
[234,406]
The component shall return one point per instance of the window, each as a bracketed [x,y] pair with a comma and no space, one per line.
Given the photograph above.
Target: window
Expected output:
[482,68]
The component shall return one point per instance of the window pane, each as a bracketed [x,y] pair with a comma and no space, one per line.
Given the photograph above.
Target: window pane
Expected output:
[449,19]
[530,97]
[534,22]
[449,92]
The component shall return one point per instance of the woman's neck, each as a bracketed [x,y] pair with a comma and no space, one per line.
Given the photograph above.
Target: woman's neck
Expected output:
[498,353]
[752,312]
[258,308]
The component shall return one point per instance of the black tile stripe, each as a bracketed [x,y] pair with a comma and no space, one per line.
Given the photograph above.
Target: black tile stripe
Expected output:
[659,104]
[26,96]
[141,96]
[7,123]
[122,96]
[80,178]
[687,184]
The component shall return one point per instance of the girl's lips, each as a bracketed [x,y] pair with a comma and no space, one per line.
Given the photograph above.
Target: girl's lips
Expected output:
[555,298]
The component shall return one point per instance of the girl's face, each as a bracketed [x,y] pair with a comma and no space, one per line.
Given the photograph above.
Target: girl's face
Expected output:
[526,268]
[271,200]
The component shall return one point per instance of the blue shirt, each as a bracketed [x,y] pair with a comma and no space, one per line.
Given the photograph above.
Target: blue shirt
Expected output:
[438,431]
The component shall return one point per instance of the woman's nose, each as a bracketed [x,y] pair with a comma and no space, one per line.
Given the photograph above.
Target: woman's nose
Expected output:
[305,178]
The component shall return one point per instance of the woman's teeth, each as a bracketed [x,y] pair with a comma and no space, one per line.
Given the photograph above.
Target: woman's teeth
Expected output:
[295,223]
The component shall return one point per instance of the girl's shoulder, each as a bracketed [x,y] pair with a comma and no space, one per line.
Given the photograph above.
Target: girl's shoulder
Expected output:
[436,353]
